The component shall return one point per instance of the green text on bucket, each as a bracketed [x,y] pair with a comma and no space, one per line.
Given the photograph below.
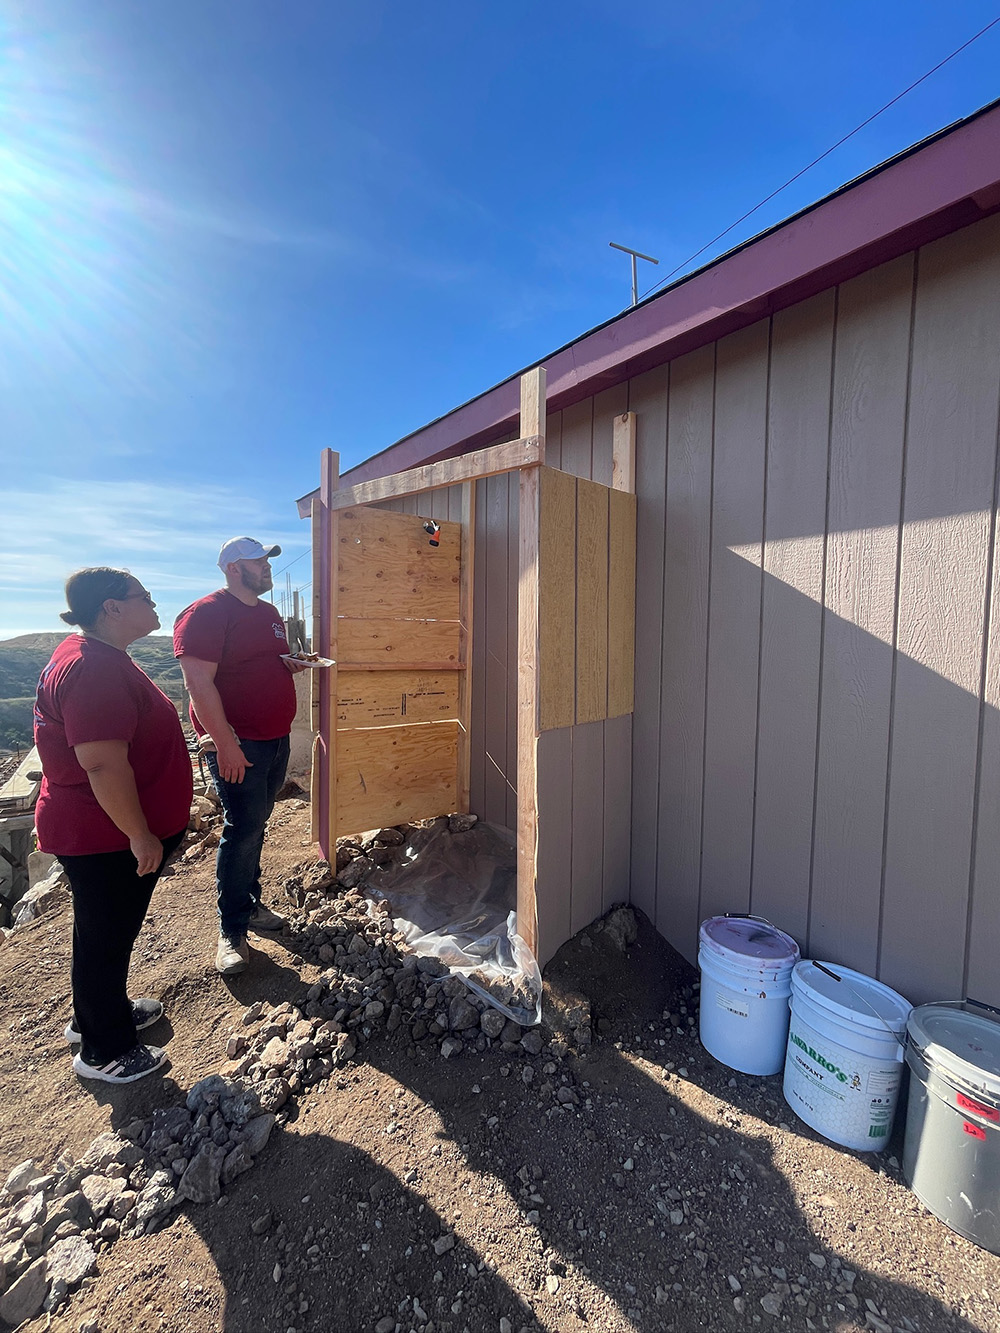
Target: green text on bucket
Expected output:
[820,1059]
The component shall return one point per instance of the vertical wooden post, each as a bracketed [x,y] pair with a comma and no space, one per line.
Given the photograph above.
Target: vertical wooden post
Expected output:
[465,649]
[623,453]
[315,677]
[532,423]
[328,561]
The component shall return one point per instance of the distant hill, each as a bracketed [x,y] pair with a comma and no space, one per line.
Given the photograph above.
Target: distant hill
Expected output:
[21,663]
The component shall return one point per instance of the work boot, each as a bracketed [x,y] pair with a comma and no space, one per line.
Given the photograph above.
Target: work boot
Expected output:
[232,955]
[264,919]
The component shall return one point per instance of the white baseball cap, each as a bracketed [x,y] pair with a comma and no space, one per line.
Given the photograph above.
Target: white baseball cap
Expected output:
[244,548]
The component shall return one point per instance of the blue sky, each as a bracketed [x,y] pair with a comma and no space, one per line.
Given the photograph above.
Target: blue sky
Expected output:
[232,234]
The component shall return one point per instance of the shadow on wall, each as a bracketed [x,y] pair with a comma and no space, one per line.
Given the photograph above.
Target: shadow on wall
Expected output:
[841,787]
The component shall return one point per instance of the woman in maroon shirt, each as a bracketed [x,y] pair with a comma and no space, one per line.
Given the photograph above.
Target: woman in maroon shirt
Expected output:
[114,803]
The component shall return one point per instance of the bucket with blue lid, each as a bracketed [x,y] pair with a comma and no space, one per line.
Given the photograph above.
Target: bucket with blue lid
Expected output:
[746,966]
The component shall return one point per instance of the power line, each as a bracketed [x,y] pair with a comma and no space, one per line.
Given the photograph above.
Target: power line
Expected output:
[792,179]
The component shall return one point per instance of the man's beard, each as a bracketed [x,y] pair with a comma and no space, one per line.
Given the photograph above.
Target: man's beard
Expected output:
[255,582]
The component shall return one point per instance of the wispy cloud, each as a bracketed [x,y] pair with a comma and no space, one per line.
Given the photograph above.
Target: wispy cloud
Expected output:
[168,536]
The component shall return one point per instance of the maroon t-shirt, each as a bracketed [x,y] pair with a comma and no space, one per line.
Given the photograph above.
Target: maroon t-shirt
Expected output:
[255,686]
[92,692]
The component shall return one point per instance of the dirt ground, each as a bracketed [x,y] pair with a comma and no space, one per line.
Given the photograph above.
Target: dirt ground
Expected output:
[635,1185]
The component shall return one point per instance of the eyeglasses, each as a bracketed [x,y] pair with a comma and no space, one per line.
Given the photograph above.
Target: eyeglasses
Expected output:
[146,597]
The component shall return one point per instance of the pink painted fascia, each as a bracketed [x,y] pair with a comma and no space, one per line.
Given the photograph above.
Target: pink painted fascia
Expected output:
[937,187]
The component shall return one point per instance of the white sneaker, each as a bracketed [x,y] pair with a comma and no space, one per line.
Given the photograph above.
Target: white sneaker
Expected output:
[134,1064]
[232,955]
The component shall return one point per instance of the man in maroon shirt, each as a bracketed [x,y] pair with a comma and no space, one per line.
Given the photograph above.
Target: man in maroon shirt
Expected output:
[233,653]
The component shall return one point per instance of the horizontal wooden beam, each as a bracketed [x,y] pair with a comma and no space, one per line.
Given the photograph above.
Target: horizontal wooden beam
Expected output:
[527,452]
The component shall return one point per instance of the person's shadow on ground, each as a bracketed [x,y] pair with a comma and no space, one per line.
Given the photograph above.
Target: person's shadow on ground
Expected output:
[631,1213]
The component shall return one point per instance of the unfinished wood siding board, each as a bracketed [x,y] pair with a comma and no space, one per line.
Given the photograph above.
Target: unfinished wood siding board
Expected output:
[387,643]
[871,353]
[510,702]
[477,745]
[388,567]
[734,619]
[951,448]
[473,466]
[467,499]
[792,618]
[326,823]
[648,395]
[591,601]
[617,838]
[527,708]
[609,406]
[396,698]
[621,602]
[556,600]
[588,824]
[390,775]
[623,453]
[497,592]
[315,686]
[578,438]
[555,840]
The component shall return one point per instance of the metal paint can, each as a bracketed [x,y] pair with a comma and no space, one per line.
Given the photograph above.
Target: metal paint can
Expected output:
[951,1152]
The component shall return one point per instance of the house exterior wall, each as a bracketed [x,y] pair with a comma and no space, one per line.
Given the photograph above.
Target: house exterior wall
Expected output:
[816,735]
[816,732]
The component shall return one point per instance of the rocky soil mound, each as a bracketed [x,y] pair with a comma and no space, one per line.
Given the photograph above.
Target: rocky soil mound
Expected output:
[350,1139]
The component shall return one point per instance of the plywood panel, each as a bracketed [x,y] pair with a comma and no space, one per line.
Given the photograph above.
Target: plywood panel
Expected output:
[684,630]
[617,811]
[387,775]
[477,739]
[734,619]
[792,619]
[607,405]
[555,839]
[950,467]
[464,498]
[866,459]
[381,643]
[510,783]
[387,698]
[588,824]
[621,602]
[648,399]
[386,564]
[591,602]
[557,569]
[499,653]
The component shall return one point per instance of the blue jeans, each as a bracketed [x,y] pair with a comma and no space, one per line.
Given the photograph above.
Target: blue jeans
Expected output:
[246,806]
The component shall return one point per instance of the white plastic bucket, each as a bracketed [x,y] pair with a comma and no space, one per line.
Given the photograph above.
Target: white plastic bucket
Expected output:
[746,964]
[845,1054]
[951,1154]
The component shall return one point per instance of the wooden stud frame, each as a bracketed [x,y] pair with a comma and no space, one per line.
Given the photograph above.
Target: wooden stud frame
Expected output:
[528,663]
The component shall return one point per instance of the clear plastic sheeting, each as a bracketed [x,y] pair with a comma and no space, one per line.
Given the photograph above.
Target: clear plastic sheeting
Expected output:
[452,897]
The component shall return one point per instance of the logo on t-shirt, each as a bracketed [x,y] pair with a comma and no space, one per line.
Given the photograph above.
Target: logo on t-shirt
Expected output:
[279,629]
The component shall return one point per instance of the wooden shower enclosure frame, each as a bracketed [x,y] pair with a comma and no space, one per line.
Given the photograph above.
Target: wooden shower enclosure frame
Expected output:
[391,749]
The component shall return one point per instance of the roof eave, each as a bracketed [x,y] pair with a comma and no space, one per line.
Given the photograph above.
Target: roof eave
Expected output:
[951,180]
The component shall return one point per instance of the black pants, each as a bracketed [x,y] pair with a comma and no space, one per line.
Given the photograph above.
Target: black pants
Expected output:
[109,905]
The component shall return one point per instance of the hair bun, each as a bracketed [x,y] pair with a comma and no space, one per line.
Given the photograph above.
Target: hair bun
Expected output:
[68,617]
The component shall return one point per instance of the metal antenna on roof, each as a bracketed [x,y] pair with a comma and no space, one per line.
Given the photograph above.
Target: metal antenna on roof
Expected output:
[635,255]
